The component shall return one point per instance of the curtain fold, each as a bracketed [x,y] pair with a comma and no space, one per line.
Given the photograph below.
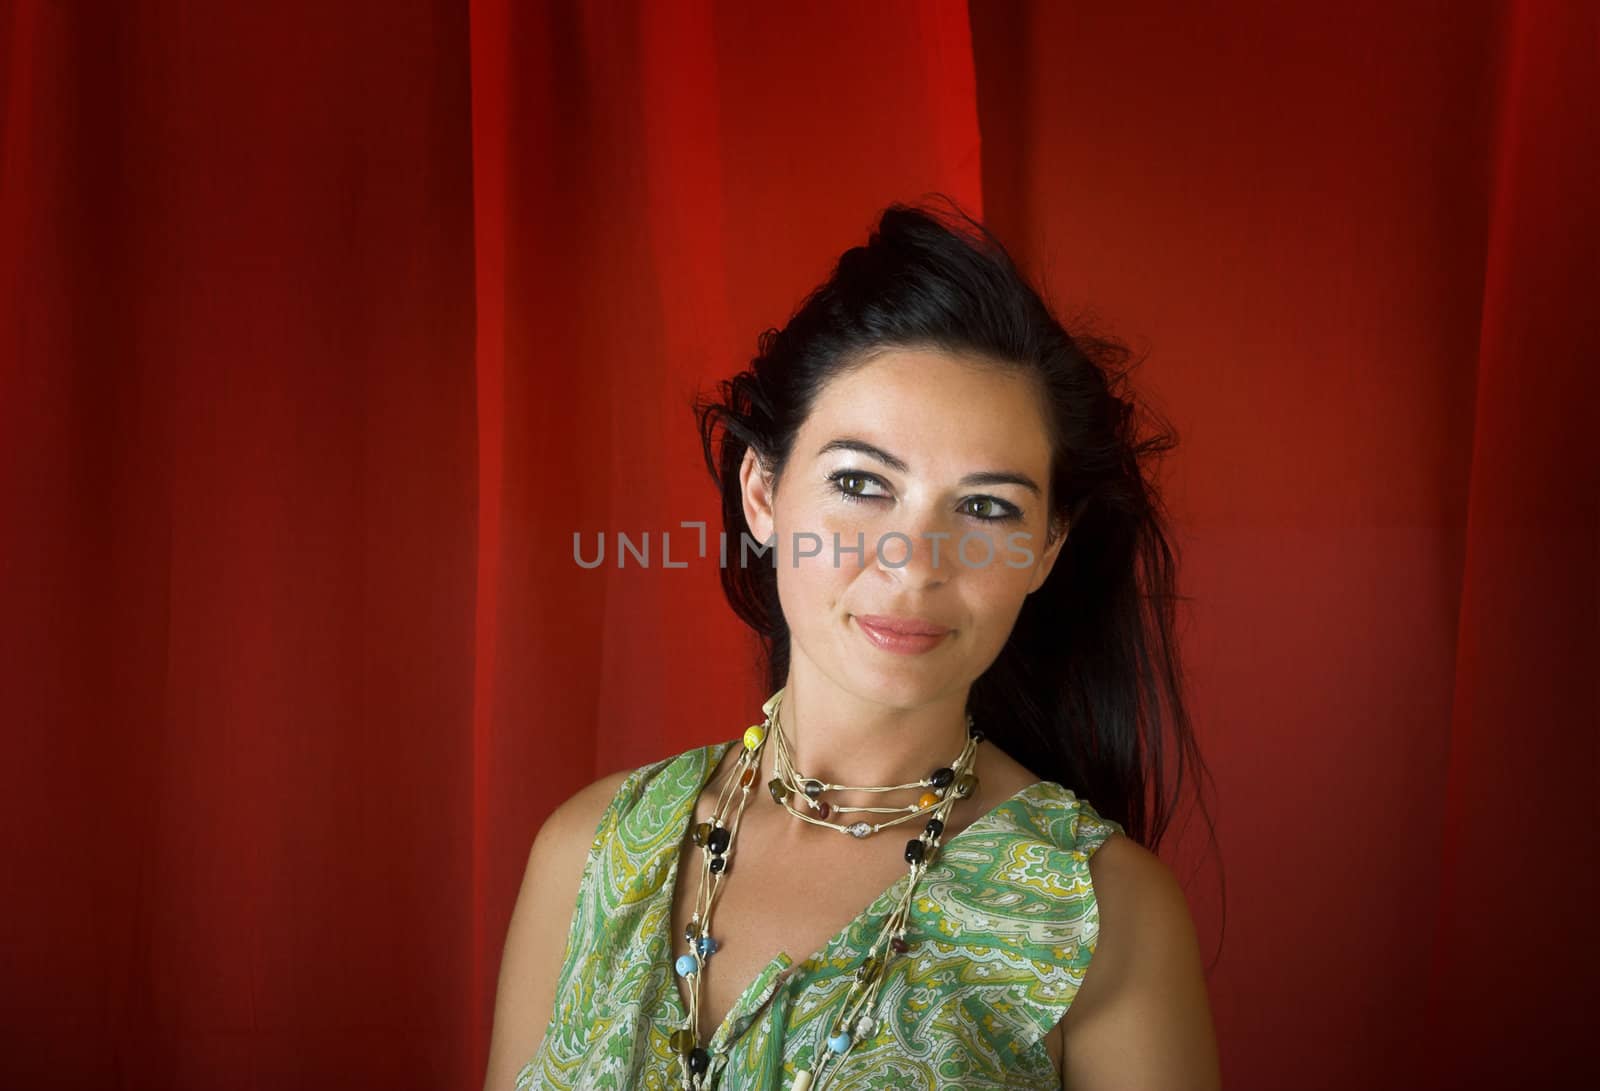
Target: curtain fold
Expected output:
[1517,879]
[324,329]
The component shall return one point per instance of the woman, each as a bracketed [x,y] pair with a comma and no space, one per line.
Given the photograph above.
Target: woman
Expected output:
[943,802]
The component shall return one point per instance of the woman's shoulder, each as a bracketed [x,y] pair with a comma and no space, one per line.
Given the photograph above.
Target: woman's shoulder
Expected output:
[566,843]
[1017,804]
[1094,862]
[1020,878]
[588,813]
[1144,995]
[1141,905]
[1071,820]
[574,820]
[1052,818]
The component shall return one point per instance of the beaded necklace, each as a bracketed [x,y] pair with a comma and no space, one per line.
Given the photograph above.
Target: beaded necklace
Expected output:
[786,782]
[855,1022]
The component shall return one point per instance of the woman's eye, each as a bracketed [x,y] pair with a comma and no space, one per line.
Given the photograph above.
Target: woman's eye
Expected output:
[851,485]
[989,509]
[854,486]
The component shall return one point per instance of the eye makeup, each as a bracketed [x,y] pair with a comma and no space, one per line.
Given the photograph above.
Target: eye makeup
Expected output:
[1008,512]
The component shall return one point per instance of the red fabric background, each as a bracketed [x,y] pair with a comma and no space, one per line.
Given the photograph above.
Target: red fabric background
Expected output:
[323,327]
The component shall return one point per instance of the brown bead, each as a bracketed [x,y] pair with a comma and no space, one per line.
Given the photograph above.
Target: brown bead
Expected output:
[823,810]
[700,833]
[779,792]
[899,946]
[966,785]
[748,778]
[682,1041]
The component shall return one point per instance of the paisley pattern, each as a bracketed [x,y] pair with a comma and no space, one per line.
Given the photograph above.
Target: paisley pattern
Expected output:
[1002,928]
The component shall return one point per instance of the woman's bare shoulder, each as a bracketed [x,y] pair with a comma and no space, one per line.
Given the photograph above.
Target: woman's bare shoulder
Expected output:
[560,850]
[1144,994]
[1144,916]
[1133,884]
[571,827]
[530,962]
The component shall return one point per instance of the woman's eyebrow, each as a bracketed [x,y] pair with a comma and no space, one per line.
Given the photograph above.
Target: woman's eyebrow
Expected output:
[986,477]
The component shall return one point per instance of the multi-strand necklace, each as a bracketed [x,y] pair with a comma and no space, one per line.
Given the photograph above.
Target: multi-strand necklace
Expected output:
[787,782]
[855,1022]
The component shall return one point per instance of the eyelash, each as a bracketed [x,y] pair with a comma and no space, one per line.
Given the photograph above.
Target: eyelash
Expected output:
[1010,513]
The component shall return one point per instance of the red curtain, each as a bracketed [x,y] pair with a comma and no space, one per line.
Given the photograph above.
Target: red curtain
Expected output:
[324,327]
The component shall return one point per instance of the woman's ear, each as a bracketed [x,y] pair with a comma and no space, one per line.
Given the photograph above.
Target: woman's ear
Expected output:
[756,488]
[1058,538]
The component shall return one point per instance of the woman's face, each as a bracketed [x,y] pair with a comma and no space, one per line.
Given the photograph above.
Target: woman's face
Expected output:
[937,467]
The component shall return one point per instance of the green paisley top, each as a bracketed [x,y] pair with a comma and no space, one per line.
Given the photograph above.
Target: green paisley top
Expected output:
[1002,929]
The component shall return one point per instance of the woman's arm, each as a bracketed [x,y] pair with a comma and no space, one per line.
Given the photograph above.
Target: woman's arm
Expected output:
[537,936]
[1142,1018]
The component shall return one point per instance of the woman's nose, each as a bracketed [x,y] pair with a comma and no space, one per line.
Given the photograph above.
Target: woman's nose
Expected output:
[919,551]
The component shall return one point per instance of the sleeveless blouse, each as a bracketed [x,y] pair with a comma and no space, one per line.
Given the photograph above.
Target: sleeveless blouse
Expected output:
[1002,929]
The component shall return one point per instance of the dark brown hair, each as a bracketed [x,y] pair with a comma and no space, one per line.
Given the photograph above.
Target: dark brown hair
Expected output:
[1088,689]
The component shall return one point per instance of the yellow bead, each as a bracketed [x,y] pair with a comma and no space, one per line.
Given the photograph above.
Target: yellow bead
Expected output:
[754,736]
[928,800]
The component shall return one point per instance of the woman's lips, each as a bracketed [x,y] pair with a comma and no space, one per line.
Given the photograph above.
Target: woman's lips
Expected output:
[904,636]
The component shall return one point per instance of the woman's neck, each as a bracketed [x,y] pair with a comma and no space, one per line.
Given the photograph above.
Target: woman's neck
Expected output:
[839,738]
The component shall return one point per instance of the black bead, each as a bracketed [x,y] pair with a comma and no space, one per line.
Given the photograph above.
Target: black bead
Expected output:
[699,1060]
[977,734]
[719,864]
[935,827]
[941,778]
[915,850]
[718,841]
[813,788]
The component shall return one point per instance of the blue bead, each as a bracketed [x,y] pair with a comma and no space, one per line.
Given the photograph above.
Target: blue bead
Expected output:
[839,1043]
[687,965]
[708,946]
